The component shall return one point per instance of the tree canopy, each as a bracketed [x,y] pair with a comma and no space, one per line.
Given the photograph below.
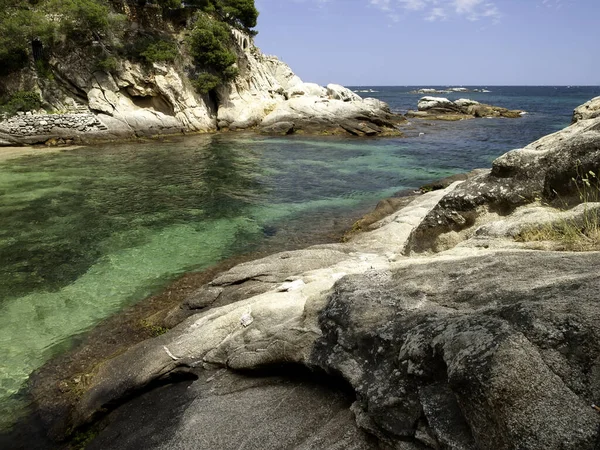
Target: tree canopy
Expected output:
[44,27]
[240,13]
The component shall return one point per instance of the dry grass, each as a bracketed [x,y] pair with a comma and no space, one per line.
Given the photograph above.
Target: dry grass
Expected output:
[578,233]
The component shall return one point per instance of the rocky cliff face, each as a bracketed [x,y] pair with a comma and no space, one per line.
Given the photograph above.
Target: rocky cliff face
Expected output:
[473,341]
[146,100]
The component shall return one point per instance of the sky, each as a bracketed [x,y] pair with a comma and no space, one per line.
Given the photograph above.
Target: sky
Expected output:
[435,42]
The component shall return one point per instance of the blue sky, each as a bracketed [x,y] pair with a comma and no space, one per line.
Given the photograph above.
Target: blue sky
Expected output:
[435,42]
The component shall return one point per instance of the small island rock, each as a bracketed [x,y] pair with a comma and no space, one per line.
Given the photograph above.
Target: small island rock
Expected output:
[440,108]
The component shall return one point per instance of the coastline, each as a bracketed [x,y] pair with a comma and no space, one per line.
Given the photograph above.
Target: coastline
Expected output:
[152,326]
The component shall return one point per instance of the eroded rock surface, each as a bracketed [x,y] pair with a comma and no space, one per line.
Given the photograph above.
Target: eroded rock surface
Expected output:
[271,412]
[543,170]
[589,110]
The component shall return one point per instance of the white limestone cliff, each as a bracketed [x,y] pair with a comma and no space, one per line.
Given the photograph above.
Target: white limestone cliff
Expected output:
[136,100]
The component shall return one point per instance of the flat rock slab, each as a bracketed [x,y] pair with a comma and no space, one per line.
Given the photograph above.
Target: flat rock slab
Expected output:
[223,410]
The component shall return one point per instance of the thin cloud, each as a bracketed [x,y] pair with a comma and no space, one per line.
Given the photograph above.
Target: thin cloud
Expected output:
[435,10]
[436,14]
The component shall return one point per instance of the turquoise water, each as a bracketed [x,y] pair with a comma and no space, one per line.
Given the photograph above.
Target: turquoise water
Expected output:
[84,233]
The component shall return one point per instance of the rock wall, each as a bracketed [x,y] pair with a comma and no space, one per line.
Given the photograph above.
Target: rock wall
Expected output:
[40,127]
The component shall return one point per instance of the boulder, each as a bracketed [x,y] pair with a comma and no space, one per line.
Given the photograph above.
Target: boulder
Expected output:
[440,103]
[274,412]
[310,89]
[308,114]
[472,353]
[337,92]
[440,108]
[465,102]
[543,170]
[589,110]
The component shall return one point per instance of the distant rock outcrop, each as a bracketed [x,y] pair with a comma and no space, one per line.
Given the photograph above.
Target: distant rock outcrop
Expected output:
[446,91]
[440,108]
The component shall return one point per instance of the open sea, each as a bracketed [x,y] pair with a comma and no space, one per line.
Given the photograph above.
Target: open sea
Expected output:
[87,232]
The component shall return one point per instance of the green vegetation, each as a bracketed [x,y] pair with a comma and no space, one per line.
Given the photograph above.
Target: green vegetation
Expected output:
[21,101]
[153,329]
[52,23]
[35,30]
[210,44]
[577,233]
[108,64]
[239,13]
[206,82]
[160,51]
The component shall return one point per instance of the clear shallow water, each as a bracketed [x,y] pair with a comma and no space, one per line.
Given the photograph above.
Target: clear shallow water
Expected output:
[86,232]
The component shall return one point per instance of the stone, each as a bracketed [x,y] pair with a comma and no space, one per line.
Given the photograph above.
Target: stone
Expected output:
[483,343]
[311,89]
[589,110]
[337,92]
[316,115]
[427,103]
[440,108]
[275,412]
[465,102]
[543,170]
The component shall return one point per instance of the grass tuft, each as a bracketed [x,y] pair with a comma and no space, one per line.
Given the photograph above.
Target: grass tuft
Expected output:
[577,233]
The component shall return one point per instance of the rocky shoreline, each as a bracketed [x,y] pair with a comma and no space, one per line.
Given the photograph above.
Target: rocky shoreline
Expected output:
[438,326]
[135,100]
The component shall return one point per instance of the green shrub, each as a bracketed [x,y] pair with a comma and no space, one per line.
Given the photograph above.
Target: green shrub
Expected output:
[206,82]
[108,64]
[12,61]
[241,13]
[43,69]
[80,16]
[21,101]
[172,4]
[53,22]
[211,44]
[161,51]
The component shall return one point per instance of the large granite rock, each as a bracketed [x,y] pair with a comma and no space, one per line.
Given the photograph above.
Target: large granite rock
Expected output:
[494,351]
[271,412]
[440,108]
[268,96]
[589,110]
[543,170]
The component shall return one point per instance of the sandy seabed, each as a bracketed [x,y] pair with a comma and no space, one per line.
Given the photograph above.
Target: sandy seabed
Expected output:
[7,153]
